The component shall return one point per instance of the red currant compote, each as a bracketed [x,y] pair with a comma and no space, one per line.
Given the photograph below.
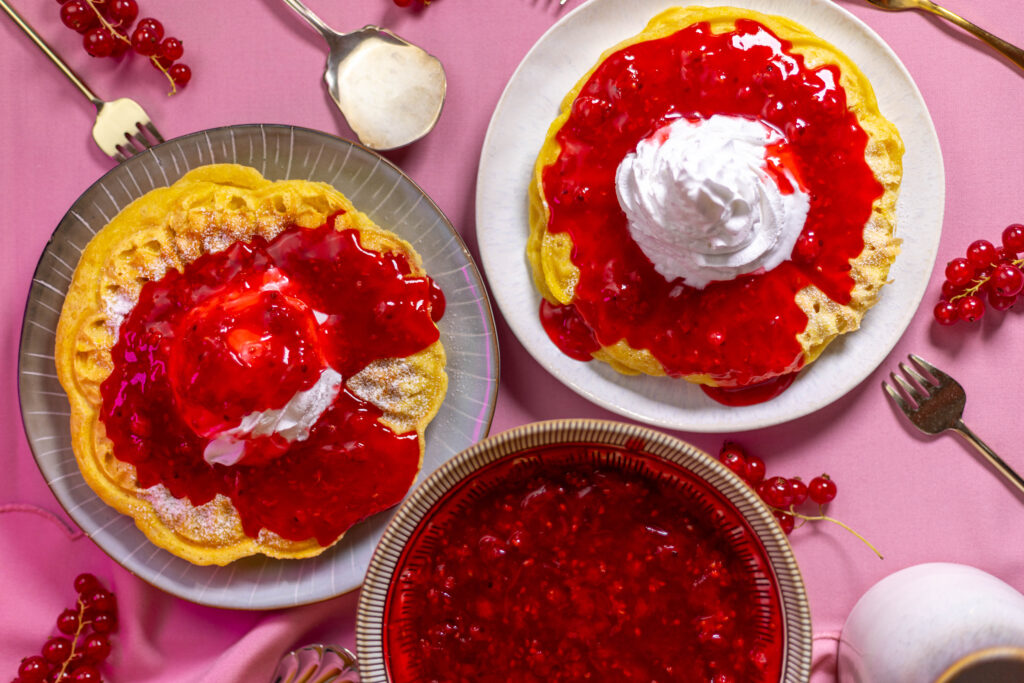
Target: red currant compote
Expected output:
[583,562]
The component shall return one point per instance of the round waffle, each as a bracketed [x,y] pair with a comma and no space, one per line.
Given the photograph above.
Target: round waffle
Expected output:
[159,236]
[601,113]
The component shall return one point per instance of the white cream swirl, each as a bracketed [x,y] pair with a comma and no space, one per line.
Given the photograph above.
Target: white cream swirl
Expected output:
[701,203]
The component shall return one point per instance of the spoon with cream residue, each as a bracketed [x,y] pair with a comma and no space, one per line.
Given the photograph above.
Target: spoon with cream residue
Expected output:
[389,90]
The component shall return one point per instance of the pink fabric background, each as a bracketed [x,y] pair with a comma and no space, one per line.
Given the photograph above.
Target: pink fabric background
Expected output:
[918,499]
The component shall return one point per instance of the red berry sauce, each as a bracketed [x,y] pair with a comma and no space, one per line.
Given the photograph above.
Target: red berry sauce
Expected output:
[743,331]
[238,332]
[573,563]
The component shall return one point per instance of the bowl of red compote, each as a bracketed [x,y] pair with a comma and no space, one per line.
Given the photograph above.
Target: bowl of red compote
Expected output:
[581,550]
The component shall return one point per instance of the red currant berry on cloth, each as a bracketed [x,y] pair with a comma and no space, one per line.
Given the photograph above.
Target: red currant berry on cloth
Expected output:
[98,42]
[777,493]
[822,489]
[77,15]
[86,674]
[123,12]
[153,25]
[798,489]
[786,521]
[970,308]
[732,456]
[67,622]
[171,49]
[1007,280]
[180,74]
[33,669]
[99,602]
[403,3]
[1013,238]
[104,623]
[96,647]
[87,583]
[1001,303]
[949,290]
[946,313]
[57,649]
[755,470]
[981,253]
[959,271]
[145,41]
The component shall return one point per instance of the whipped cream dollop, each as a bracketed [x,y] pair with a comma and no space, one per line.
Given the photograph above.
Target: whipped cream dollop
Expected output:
[701,203]
[293,421]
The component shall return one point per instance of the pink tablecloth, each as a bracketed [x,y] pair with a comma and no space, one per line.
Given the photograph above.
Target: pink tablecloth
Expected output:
[918,499]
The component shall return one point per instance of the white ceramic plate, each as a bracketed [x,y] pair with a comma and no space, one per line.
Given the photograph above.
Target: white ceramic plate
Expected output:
[529,104]
[393,201]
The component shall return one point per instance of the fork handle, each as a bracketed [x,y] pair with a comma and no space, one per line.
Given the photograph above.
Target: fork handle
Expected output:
[1011,51]
[989,454]
[48,51]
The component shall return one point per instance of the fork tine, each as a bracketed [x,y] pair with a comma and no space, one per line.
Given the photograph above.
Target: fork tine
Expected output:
[140,139]
[939,375]
[897,399]
[924,384]
[148,125]
[908,388]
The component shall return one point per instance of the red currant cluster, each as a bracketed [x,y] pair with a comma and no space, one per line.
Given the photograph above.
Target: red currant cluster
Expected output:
[106,28]
[784,495]
[75,656]
[987,270]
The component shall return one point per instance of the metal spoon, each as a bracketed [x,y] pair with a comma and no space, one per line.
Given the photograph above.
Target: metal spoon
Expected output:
[1012,52]
[389,91]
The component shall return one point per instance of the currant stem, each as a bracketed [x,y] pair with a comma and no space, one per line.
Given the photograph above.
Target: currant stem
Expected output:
[157,64]
[82,623]
[979,283]
[823,517]
[107,25]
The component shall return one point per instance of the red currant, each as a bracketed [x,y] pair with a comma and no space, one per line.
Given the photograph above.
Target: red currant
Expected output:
[104,623]
[732,456]
[959,271]
[99,602]
[180,74]
[1007,280]
[56,649]
[807,247]
[786,521]
[755,470]
[822,489]
[798,490]
[33,669]
[949,290]
[123,12]
[86,674]
[151,24]
[970,308]
[67,622]
[403,3]
[981,253]
[145,41]
[87,583]
[946,313]
[96,647]
[77,15]
[171,49]
[777,493]
[98,42]
[1013,238]
[1001,303]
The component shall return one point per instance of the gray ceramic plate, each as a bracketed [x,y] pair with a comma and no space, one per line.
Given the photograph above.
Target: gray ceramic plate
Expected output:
[613,442]
[393,201]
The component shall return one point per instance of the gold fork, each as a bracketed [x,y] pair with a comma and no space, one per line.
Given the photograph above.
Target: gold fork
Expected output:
[934,402]
[121,126]
[1011,51]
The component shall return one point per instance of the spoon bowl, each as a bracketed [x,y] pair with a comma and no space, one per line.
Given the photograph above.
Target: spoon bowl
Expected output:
[390,91]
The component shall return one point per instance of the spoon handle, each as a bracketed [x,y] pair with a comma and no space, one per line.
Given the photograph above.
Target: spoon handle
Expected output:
[1011,51]
[316,22]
